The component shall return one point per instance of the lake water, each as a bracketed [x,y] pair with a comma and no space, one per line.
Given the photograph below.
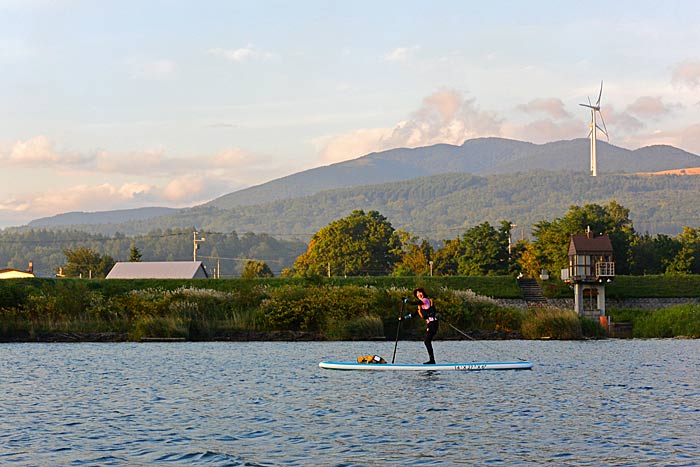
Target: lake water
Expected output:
[609,402]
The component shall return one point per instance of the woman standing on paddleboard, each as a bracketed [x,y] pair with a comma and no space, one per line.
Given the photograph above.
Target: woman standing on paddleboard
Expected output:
[426,310]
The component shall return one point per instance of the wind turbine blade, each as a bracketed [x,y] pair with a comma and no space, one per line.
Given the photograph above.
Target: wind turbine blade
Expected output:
[600,94]
[586,105]
[604,129]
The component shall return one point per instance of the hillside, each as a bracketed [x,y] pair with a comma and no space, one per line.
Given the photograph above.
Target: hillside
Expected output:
[436,190]
[101,217]
[481,156]
[443,206]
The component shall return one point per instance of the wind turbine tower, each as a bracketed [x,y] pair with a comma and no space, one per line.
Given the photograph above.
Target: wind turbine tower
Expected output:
[595,111]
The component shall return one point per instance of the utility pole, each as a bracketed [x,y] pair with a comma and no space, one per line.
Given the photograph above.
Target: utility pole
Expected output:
[196,241]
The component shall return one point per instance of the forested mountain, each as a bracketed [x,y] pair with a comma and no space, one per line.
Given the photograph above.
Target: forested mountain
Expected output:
[481,156]
[102,217]
[443,206]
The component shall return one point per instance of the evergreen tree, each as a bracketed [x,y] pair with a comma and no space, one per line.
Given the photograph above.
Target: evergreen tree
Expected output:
[134,254]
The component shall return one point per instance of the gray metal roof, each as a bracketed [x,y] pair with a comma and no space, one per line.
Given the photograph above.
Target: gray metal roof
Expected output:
[158,270]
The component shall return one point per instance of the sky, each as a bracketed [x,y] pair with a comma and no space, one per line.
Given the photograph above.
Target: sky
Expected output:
[110,105]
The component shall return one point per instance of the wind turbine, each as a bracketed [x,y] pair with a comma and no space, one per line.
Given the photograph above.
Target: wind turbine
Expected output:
[595,109]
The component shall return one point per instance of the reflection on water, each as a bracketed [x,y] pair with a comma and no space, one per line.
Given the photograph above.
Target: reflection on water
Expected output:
[257,404]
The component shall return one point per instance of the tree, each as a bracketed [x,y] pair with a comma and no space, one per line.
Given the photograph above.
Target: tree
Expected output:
[254,269]
[552,237]
[359,244]
[415,256]
[682,262]
[481,250]
[653,254]
[84,262]
[447,258]
[689,238]
[485,250]
[134,254]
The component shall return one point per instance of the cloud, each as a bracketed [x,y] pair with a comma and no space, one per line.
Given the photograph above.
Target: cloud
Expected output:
[241,54]
[546,130]
[232,157]
[444,117]
[350,145]
[85,198]
[400,54]
[234,166]
[687,138]
[151,161]
[550,106]
[33,151]
[181,192]
[686,73]
[650,107]
[183,189]
[152,178]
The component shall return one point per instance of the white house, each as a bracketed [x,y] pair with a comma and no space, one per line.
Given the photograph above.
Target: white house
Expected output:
[10,273]
[158,270]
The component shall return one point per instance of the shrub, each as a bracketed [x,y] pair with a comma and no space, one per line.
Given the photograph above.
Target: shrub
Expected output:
[675,321]
[159,326]
[551,323]
[363,327]
[592,328]
[290,308]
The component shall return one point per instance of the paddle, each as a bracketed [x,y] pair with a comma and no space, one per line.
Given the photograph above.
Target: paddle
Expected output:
[398,326]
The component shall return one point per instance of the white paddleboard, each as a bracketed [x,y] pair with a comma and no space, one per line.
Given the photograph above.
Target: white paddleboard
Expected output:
[471,366]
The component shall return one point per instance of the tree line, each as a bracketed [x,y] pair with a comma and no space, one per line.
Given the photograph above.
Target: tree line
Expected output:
[76,253]
[366,244]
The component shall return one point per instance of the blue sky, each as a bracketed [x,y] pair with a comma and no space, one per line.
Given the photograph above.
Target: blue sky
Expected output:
[118,104]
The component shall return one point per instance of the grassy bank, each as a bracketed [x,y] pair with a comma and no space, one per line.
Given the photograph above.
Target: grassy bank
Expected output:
[674,321]
[321,309]
[317,308]
[653,286]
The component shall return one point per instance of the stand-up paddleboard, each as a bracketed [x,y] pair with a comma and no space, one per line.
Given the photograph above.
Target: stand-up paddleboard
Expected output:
[471,366]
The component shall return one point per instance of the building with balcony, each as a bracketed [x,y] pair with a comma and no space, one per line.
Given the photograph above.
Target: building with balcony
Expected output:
[591,266]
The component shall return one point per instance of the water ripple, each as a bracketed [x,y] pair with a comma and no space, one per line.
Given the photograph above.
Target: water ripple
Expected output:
[267,404]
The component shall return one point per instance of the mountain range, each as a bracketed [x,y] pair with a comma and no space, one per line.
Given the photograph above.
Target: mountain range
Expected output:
[436,190]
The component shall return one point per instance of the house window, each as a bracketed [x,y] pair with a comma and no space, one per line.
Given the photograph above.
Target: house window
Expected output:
[580,265]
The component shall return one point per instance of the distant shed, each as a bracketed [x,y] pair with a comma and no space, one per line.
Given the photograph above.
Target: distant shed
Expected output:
[9,273]
[14,274]
[159,270]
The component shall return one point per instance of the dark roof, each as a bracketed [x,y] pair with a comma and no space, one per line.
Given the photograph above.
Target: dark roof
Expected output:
[158,270]
[584,245]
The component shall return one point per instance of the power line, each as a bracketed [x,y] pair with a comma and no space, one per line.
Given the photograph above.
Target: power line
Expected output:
[244,259]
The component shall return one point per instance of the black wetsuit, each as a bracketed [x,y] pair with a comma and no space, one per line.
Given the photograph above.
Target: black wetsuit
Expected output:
[431,321]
